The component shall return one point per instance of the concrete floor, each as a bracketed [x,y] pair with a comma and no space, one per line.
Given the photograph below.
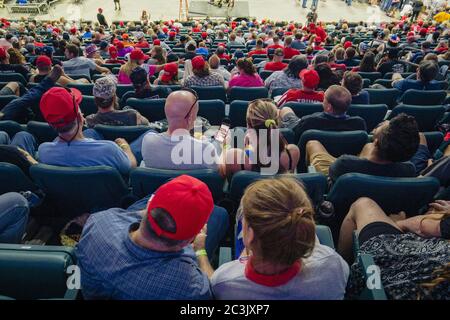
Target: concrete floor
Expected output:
[329,10]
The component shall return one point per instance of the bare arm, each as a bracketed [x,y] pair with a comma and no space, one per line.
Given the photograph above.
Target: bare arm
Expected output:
[126,148]
[202,259]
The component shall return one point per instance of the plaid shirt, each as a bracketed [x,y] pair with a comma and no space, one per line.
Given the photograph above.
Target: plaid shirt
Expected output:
[114,267]
[214,79]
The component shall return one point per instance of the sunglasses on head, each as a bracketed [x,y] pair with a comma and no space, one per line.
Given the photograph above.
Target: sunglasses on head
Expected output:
[195,102]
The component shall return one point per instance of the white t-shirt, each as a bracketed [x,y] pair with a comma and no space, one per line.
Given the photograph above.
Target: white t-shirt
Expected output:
[323,276]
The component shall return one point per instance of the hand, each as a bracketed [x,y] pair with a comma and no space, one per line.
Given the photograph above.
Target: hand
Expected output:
[181,61]
[200,239]
[122,143]
[440,206]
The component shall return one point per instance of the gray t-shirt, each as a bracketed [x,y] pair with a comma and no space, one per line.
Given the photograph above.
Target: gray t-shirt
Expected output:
[179,151]
[323,276]
[79,66]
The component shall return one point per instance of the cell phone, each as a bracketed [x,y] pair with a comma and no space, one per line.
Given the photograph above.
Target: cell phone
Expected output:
[223,131]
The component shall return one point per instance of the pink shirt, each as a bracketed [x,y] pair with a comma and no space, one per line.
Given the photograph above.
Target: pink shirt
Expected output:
[245,80]
[122,78]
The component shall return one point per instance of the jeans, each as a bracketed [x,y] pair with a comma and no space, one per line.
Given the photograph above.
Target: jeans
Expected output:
[314,3]
[21,109]
[136,145]
[218,224]
[13,217]
[23,140]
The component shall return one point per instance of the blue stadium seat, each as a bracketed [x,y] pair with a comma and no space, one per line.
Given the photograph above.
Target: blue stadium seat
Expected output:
[325,236]
[423,97]
[213,110]
[73,191]
[248,94]
[41,131]
[427,116]
[4,100]
[36,272]
[372,76]
[11,127]
[278,92]
[388,97]
[264,74]
[88,106]
[123,88]
[211,93]
[84,88]
[391,194]
[129,133]
[238,113]
[434,140]
[373,114]
[12,179]
[152,109]
[304,109]
[336,143]
[145,181]
[12,76]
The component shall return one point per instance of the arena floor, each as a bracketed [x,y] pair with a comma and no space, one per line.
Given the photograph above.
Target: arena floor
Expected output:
[329,10]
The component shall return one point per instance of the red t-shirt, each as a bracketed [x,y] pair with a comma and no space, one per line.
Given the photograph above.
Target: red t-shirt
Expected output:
[259,51]
[290,52]
[275,46]
[224,56]
[143,44]
[340,66]
[275,66]
[298,95]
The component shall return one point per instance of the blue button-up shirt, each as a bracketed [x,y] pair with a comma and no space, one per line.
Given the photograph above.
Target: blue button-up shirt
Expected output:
[114,267]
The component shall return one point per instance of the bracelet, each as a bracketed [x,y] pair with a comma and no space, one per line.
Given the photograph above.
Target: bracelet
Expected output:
[201,253]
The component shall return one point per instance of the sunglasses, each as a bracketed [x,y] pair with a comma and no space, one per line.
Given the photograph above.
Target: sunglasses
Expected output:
[195,102]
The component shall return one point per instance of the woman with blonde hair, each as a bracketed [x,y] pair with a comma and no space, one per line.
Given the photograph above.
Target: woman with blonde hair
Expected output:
[15,57]
[413,254]
[157,55]
[136,59]
[265,148]
[283,258]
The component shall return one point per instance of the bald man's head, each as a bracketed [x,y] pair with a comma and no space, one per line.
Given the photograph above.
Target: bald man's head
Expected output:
[178,109]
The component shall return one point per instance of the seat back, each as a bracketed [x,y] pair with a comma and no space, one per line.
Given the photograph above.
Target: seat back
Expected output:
[35,272]
[264,74]
[388,97]
[84,88]
[88,105]
[10,127]
[423,97]
[123,88]
[304,109]
[372,76]
[373,114]
[336,143]
[129,133]
[427,116]
[315,184]
[210,93]
[4,100]
[213,110]
[248,94]
[13,77]
[145,181]
[152,109]
[12,179]
[42,131]
[391,194]
[434,140]
[72,191]
[238,113]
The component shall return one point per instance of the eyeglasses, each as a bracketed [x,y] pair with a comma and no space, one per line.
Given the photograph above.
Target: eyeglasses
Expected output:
[195,102]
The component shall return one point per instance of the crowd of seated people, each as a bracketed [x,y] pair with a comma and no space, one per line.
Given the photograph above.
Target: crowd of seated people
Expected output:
[165,246]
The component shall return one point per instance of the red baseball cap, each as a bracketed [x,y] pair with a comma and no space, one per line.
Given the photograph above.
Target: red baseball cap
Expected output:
[156,42]
[73,30]
[43,61]
[120,45]
[204,35]
[165,29]
[310,78]
[172,34]
[113,52]
[318,40]
[188,201]
[170,70]
[59,106]
[137,54]
[198,62]
[2,53]
[348,44]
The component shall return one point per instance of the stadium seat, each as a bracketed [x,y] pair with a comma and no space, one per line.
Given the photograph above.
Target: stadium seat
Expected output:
[391,194]
[434,140]
[85,88]
[152,109]
[213,110]
[110,66]
[423,97]
[145,181]
[12,76]
[248,94]
[129,133]
[384,82]
[11,127]
[36,272]
[211,93]
[4,100]
[372,76]
[88,106]
[325,236]
[315,184]
[373,114]
[365,262]
[73,191]
[123,88]
[12,179]
[403,74]
[264,74]
[278,92]
[336,143]
[287,133]
[427,116]
[238,113]
[384,96]
[304,109]
[41,131]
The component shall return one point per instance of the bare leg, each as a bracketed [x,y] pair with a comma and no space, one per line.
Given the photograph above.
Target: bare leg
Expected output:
[362,212]
[14,87]
[447,151]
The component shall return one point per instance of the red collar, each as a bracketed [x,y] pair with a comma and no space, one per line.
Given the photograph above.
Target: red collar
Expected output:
[275,280]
